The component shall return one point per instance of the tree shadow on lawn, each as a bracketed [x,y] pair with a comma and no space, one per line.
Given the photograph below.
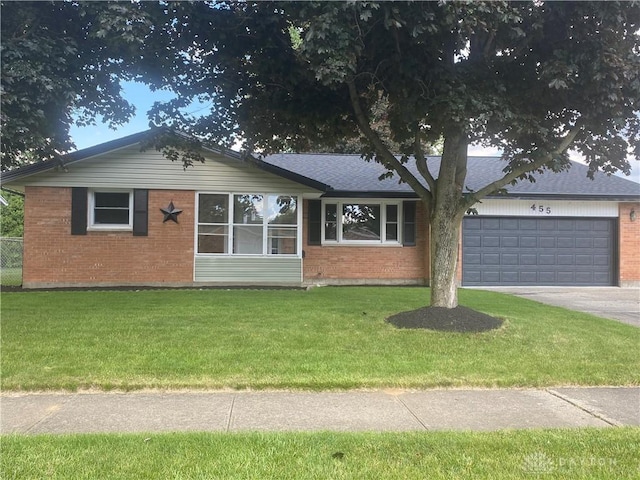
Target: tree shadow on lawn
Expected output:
[459,319]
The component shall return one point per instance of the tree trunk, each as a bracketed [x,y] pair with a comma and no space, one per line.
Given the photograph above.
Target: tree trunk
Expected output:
[445,234]
[447,212]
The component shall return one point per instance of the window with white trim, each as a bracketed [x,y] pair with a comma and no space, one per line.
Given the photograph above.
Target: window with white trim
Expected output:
[247,224]
[111,210]
[366,222]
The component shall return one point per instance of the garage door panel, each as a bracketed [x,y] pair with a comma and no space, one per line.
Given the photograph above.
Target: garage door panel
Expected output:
[509,224]
[601,260]
[509,259]
[604,243]
[472,259]
[538,251]
[582,260]
[509,242]
[474,276]
[565,259]
[546,259]
[566,242]
[547,242]
[528,259]
[491,259]
[472,241]
[566,225]
[584,242]
[548,225]
[491,277]
[473,223]
[528,224]
[565,278]
[491,224]
[546,277]
[602,226]
[600,278]
[509,277]
[490,241]
[584,278]
[529,277]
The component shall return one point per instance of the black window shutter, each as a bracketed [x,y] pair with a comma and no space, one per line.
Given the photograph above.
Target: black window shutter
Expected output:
[79,201]
[409,227]
[140,212]
[315,222]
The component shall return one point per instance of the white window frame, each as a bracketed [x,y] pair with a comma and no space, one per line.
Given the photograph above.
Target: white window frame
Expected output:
[92,225]
[339,202]
[266,247]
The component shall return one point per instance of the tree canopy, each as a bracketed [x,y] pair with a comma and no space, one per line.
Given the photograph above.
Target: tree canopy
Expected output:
[519,76]
[62,62]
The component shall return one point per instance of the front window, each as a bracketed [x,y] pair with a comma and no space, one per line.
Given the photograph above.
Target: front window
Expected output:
[213,224]
[331,222]
[282,221]
[111,210]
[247,224]
[361,222]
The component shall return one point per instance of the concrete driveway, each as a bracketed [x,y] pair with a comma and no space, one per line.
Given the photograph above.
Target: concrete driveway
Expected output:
[622,304]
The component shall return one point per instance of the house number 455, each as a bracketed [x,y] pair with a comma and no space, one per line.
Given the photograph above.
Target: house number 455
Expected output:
[541,209]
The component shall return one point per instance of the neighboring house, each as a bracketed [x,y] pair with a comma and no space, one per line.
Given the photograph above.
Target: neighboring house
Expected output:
[114,215]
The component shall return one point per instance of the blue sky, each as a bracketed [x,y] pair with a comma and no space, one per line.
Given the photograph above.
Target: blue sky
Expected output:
[140,96]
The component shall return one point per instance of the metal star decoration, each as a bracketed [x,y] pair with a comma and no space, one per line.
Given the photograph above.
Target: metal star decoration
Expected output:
[171,213]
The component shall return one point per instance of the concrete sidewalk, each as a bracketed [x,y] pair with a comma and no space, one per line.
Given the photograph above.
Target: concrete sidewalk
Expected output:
[306,411]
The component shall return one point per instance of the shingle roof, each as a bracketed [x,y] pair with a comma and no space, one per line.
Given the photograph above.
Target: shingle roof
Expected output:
[351,175]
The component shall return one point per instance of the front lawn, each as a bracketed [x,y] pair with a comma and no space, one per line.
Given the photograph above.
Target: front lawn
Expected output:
[550,454]
[325,338]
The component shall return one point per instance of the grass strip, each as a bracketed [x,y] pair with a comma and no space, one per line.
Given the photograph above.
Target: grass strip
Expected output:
[525,454]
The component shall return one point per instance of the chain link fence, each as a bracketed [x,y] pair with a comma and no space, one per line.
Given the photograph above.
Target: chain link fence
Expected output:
[10,261]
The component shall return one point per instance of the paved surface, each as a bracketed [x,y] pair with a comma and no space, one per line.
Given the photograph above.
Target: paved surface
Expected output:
[337,411]
[622,304]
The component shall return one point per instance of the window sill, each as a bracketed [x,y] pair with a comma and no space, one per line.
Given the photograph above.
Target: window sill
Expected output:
[110,228]
[247,255]
[360,244]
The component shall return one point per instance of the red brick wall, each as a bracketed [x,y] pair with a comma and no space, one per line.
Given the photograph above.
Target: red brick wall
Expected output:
[55,257]
[629,246]
[368,264]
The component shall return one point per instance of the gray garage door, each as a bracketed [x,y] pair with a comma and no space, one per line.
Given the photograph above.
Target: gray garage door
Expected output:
[538,251]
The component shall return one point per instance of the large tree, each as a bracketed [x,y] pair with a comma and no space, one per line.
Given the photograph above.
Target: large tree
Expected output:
[62,63]
[529,78]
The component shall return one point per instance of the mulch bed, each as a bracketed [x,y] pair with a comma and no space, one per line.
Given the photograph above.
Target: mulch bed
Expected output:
[459,319]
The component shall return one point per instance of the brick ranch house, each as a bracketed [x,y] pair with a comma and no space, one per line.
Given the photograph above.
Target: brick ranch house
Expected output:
[114,215]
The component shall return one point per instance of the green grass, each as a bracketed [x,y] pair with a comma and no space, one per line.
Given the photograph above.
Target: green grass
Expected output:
[526,454]
[325,338]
